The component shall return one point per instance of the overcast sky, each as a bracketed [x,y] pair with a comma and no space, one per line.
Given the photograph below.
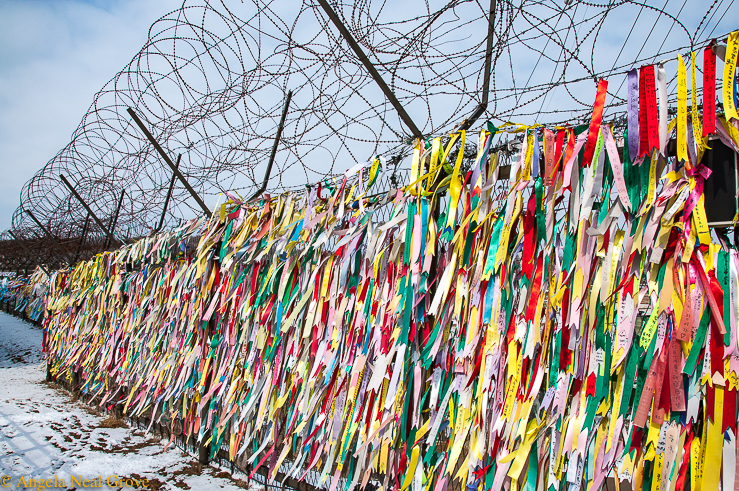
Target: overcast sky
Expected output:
[54,56]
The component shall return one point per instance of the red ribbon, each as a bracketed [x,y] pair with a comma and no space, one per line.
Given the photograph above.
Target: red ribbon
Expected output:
[568,151]
[529,238]
[600,100]
[650,99]
[256,467]
[558,150]
[729,418]
[564,352]
[683,469]
[535,290]
[591,383]
[710,401]
[709,90]
[643,130]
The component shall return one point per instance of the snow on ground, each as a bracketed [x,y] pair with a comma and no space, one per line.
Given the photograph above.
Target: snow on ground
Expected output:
[45,434]
[20,342]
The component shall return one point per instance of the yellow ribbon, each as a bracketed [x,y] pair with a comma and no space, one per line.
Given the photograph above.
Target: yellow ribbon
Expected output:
[700,142]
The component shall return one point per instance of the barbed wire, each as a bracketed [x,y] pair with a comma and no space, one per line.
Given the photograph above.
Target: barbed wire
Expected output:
[212,78]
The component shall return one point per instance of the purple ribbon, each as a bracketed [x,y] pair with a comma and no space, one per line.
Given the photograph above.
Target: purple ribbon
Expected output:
[633,113]
[691,148]
[535,156]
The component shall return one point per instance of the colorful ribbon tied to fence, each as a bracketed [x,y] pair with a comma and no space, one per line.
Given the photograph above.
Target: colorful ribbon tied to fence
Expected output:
[574,322]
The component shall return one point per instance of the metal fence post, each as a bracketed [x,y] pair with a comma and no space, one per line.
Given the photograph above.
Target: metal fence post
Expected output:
[89,210]
[169,162]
